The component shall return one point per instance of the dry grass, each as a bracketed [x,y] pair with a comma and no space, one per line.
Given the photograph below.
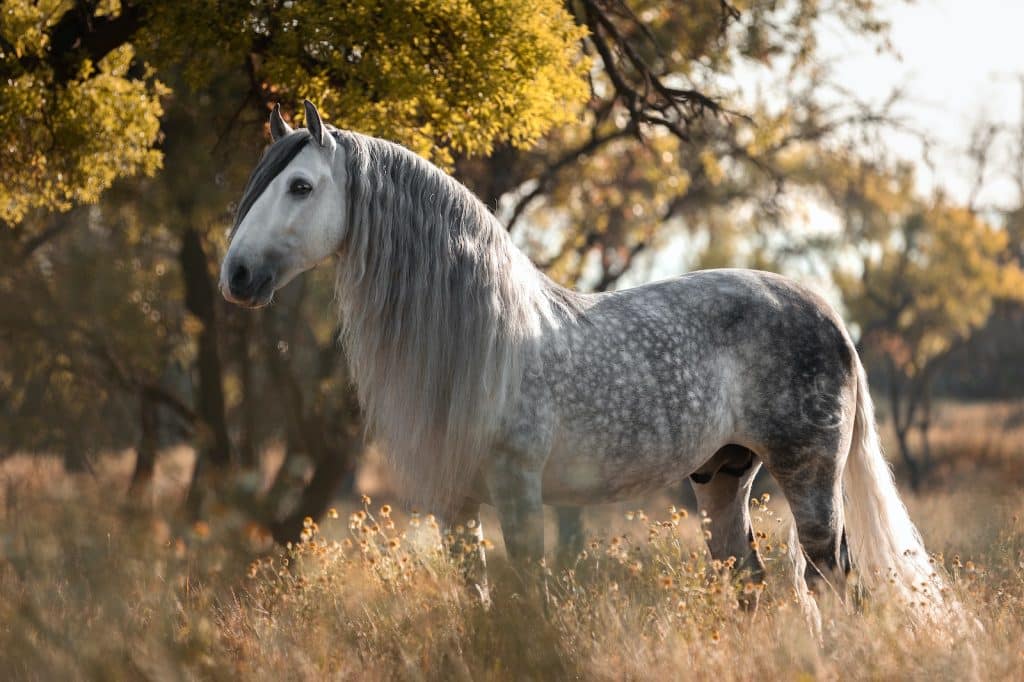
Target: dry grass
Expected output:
[91,587]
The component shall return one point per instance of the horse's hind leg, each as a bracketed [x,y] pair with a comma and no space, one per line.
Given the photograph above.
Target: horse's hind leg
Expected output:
[812,485]
[722,486]
[570,534]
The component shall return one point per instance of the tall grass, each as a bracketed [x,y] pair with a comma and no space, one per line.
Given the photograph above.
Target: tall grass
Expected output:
[94,587]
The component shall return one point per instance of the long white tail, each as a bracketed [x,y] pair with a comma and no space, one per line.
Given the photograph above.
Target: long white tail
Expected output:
[885,547]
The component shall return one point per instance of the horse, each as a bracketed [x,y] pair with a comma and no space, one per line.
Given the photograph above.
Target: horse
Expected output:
[486,382]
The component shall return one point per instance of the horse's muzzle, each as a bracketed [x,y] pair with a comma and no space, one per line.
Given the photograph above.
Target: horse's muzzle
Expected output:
[248,286]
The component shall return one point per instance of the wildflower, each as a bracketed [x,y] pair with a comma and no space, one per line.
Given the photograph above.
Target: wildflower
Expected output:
[201,528]
[667,581]
[307,522]
[385,510]
[366,500]
[332,513]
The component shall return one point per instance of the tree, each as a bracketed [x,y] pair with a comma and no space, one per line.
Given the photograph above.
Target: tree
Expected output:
[669,140]
[928,275]
[593,124]
[103,96]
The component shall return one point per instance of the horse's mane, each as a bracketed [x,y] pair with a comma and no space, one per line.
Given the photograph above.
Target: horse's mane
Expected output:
[439,311]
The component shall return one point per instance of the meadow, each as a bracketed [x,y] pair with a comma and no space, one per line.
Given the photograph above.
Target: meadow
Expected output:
[96,585]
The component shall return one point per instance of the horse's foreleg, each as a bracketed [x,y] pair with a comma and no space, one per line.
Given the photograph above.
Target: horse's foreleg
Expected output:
[467,549]
[516,495]
[570,533]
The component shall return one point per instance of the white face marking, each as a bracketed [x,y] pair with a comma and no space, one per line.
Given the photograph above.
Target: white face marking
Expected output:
[288,231]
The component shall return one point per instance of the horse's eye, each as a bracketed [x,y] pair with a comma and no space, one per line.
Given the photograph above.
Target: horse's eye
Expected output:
[300,188]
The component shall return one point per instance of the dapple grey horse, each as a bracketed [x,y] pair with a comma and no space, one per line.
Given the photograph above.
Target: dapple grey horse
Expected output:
[486,382]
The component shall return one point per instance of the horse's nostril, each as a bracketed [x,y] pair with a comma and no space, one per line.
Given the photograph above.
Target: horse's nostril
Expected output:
[240,277]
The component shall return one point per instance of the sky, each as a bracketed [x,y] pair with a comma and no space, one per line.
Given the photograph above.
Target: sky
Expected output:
[958,61]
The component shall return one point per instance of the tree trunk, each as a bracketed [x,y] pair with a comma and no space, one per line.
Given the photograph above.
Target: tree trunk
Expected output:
[145,457]
[213,447]
[490,177]
[75,460]
[247,440]
[923,428]
[913,468]
[332,448]
[902,419]
[334,464]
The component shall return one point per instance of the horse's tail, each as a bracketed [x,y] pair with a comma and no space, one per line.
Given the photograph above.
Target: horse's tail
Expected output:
[885,548]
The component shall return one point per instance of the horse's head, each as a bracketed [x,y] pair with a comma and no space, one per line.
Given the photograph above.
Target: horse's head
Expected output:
[291,216]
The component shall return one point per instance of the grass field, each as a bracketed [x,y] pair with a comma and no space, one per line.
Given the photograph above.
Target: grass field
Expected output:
[93,586]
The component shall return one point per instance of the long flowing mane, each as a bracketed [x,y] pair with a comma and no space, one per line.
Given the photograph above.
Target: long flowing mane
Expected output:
[439,310]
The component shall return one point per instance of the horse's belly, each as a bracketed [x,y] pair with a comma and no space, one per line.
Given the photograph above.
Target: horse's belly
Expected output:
[592,474]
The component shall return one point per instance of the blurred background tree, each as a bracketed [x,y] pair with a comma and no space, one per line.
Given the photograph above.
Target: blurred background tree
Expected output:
[922,277]
[617,140]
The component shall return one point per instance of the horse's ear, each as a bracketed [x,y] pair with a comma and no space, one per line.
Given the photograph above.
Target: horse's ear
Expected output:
[278,126]
[315,125]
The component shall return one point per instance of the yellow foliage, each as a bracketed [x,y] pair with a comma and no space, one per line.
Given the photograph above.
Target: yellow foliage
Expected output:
[65,143]
[930,280]
[442,77]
